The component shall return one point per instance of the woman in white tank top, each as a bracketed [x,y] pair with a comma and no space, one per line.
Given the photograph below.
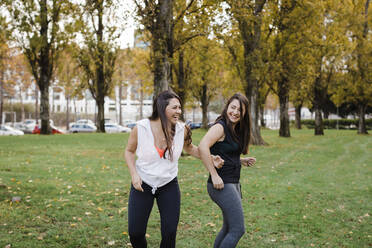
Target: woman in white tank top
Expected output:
[158,143]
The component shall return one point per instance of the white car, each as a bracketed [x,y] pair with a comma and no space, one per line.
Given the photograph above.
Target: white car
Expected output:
[83,128]
[126,122]
[116,128]
[85,121]
[20,126]
[82,121]
[7,130]
[29,125]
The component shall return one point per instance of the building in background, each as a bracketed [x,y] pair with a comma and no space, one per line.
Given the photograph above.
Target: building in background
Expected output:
[79,108]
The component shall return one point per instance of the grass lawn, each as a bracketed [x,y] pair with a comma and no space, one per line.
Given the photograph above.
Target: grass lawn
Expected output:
[304,191]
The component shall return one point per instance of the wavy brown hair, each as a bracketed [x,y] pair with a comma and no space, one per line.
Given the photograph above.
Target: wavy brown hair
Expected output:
[158,111]
[242,131]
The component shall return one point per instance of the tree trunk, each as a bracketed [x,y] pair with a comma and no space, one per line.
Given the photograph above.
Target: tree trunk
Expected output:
[45,66]
[101,114]
[44,109]
[181,83]
[162,45]
[86,105]
[67,112]
[204,105]
[141,101]
[75,112]
[22,105]
[318,122]
[120,110]
[283,102]
[100,77]
[251,40]
[252,95]
[317,107]
[1,97]
[262,116]
[298,116]
[37,104]
[362,123]
[52,107]
[325,113]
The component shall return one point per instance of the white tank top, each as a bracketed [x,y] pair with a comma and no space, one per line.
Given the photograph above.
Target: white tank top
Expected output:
[154,170]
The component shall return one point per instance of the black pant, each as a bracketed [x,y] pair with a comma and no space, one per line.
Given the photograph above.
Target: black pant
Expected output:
[139,209]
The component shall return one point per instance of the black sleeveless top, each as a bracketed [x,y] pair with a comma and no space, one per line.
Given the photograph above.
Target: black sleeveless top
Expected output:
[229,150]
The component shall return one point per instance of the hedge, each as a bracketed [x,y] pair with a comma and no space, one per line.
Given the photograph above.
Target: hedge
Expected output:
[332,124]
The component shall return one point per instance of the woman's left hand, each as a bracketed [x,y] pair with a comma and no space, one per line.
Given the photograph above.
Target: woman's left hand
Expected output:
[217,161]
[249,161]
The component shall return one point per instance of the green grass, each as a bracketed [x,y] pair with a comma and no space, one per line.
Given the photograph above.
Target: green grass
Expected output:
[304,191]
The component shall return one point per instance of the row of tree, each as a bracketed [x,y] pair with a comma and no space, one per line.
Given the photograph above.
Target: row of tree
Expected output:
[307,52]
[43,29]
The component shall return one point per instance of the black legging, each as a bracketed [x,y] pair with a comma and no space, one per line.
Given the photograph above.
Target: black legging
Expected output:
[139,209]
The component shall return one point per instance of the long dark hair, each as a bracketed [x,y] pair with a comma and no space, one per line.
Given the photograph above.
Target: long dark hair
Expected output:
[158,111]
[242,131]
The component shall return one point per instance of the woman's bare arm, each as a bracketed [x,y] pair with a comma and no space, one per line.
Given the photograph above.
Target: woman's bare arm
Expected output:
[214,134]
[130,157]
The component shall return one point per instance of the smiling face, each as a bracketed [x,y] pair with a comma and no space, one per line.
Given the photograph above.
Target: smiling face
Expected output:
[173,111]
[234,111]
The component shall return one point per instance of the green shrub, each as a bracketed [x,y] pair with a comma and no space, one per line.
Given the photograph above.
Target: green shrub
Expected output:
[342,123]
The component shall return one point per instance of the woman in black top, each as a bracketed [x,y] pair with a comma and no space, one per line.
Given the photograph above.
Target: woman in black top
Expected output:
[229,138]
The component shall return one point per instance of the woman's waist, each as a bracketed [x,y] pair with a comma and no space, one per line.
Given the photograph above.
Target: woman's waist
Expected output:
[157,172]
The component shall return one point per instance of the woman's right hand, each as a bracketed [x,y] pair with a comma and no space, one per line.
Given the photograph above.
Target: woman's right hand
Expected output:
[217,182]
[137,182]
[217,161]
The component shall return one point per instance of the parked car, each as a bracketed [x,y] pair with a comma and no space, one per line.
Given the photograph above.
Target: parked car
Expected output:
[7,130]
[30,124]
[116,128]
[82,121]
[126,122]
[18,126]
[194,125]
[85,121]
[55,130]
[83,128]
[131,125]
[210,124]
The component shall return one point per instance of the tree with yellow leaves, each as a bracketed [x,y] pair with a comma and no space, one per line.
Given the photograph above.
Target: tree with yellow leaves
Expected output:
[358,75]
[160,20]
[21,76]
[243,42]
[4,50]
[322,53]
[207,73]
[133,69]
[100,28]
[41,29]
[68,76]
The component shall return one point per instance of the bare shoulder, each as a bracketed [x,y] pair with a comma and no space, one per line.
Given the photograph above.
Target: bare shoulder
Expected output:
[134,130]
[217,126]
[214,134]
[216,130]
[132,141]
